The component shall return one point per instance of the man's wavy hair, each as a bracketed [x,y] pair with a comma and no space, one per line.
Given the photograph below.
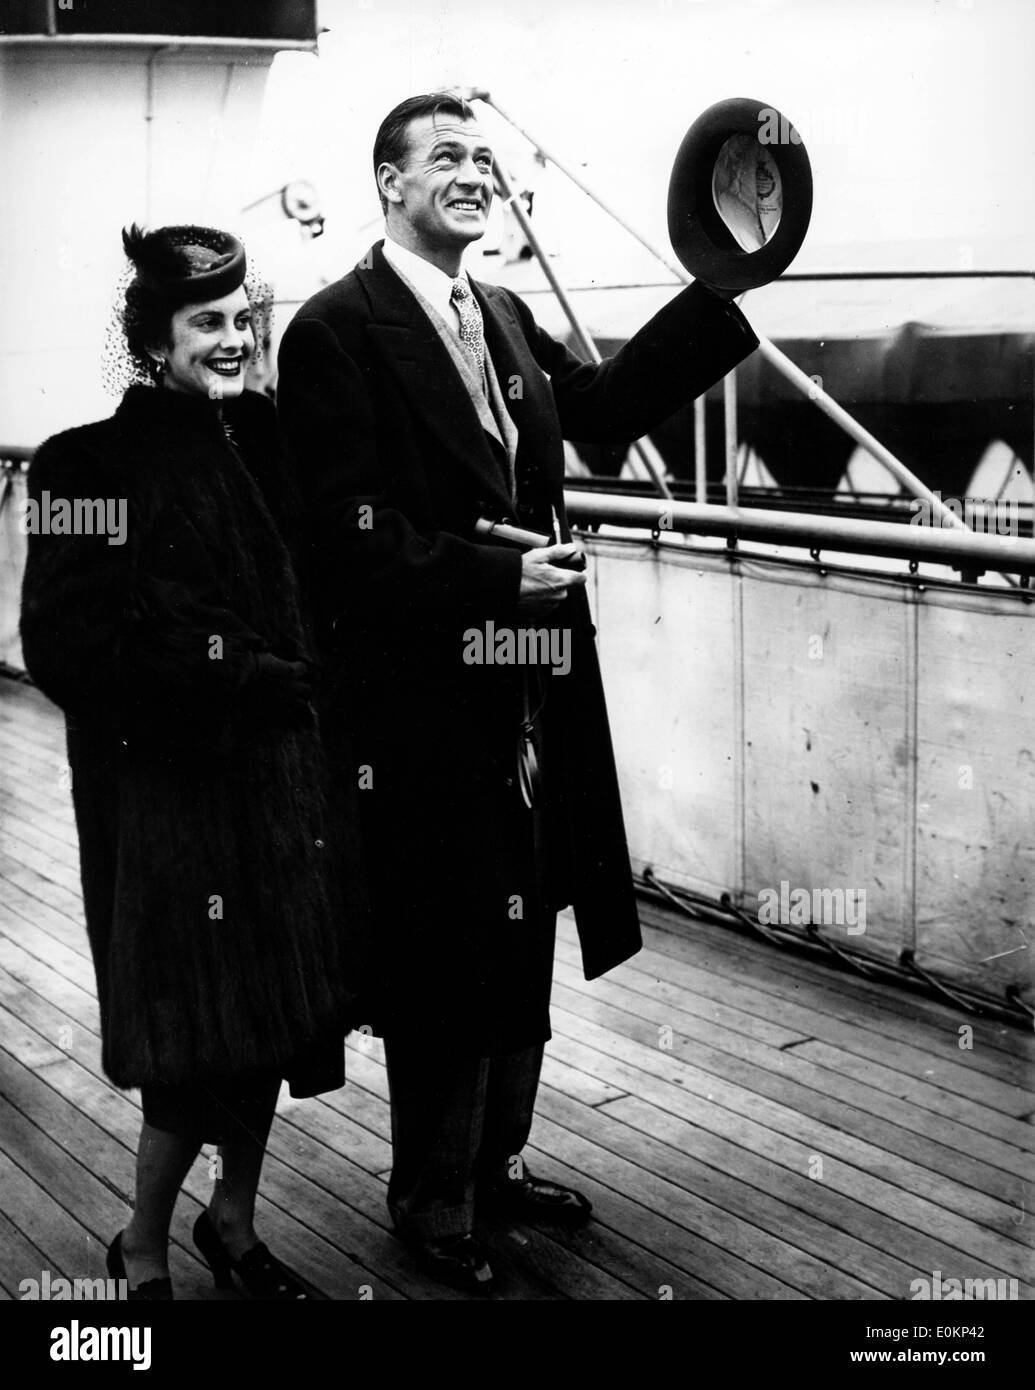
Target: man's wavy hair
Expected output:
[392,143]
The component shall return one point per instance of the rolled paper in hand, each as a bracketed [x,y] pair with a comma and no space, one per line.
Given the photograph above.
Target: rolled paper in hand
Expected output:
[516,535]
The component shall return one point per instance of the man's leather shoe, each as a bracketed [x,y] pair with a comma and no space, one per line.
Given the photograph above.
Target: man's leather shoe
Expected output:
[535,1199]
[455,1260]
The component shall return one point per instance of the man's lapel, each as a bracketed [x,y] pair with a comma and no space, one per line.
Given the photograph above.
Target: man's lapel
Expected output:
[525,388]
[422,365]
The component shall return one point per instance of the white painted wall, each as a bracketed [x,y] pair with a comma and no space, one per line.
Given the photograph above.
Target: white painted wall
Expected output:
[78,160]
[773,724]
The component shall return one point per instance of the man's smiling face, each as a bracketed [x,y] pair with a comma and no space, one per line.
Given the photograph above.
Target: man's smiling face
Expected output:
[439,197]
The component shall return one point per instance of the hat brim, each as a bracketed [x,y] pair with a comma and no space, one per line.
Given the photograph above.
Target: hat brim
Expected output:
[700,238]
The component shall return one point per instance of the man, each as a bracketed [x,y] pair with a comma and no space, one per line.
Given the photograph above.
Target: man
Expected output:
[415,403]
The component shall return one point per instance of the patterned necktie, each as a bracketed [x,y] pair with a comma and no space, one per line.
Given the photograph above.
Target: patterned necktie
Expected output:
[471,334]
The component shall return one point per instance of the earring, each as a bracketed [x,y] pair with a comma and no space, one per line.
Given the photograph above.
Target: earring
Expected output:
[160,365]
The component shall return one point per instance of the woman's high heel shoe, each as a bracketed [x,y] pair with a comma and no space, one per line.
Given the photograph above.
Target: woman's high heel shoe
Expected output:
[261,1273]
[152,1290]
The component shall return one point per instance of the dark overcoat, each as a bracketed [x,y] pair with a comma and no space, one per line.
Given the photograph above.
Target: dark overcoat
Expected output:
[395,469]
[203,826]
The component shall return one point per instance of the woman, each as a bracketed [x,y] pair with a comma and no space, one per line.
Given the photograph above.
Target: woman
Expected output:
[179,657]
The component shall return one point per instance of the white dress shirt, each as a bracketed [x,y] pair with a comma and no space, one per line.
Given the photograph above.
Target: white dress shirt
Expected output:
[435,288]
[434,284]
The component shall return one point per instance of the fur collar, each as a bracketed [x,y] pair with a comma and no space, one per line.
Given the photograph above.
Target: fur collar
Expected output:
[151,408]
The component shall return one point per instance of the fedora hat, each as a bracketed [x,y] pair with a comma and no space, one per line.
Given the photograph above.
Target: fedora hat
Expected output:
[740,195]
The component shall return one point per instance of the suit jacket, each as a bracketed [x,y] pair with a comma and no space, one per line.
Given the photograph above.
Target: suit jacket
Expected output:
[395,468]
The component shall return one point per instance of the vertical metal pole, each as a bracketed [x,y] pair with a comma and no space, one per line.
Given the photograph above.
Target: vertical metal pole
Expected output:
[913,608]
[740,745]
[729,401]
[700,454]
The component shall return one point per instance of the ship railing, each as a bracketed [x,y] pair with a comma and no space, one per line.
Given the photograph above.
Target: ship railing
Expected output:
[643,451]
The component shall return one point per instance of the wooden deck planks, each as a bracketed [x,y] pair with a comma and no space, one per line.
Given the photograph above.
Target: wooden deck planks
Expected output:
[965,1184]
[961,1151]
[695,1144]
[935,1054]
[897,1188]
[1016,1049]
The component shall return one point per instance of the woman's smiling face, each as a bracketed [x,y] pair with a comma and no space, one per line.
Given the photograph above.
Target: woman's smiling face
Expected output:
[209,347]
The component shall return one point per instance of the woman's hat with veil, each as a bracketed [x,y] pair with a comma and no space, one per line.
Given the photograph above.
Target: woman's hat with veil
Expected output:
[186,265]
[166,269]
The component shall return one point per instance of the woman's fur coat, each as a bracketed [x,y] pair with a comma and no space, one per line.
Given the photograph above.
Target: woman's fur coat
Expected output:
[205,836]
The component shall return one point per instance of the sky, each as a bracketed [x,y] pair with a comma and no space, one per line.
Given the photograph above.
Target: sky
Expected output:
[914,112]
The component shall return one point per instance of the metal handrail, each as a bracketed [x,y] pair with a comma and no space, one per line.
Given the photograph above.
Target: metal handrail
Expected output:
[873,506]
[971,551]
